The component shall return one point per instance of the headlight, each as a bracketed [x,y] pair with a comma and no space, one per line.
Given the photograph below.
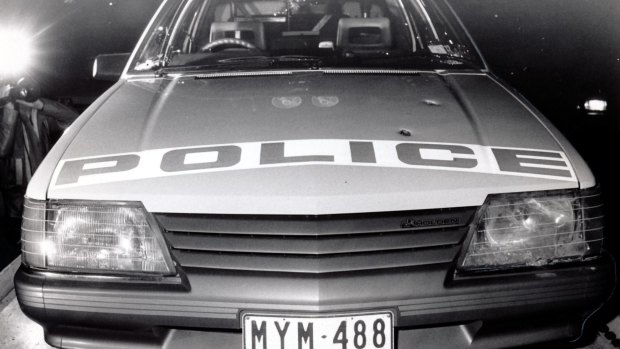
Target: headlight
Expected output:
[92,237]
[535,229]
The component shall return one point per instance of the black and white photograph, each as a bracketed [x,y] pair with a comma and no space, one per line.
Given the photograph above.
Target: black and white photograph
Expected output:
[309,174]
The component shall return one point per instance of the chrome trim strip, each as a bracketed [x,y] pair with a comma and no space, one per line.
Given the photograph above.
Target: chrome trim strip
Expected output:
[140,278]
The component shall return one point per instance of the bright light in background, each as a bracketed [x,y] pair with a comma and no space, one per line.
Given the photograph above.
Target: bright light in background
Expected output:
[15,52]
[595,105]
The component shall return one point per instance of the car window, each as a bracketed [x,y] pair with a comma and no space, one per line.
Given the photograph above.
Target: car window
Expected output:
[153,51]
[203,35]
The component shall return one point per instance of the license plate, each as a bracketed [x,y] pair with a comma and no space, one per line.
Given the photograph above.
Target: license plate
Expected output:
[359,331]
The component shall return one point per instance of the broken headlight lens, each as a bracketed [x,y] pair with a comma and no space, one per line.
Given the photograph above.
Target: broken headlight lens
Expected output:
[92,237]
[535,229]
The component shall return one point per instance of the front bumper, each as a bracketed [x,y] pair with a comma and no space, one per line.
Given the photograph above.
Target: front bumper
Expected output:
[204,309]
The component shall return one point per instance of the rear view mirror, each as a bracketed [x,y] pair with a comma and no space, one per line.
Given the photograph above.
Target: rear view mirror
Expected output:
[110,67]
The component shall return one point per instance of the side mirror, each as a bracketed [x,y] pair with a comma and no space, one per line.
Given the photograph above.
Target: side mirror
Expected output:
[110,67]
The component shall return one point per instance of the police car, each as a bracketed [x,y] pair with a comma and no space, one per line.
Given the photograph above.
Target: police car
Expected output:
[310,174]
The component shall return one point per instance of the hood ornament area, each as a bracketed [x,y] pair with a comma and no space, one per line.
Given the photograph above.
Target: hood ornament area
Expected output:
[289,102]
[286,102]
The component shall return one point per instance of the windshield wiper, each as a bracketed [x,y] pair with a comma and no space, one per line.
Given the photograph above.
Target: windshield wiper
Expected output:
[310,61]
[286,58]
[250,62]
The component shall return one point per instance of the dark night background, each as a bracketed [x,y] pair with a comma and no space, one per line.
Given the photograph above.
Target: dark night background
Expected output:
[557,53]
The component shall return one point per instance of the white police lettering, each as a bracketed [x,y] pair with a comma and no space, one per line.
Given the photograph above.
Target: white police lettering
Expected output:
[332,152]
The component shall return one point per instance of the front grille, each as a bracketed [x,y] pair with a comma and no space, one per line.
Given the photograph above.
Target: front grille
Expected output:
[316,244]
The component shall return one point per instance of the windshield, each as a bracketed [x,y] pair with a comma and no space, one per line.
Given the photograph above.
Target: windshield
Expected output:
[225,35]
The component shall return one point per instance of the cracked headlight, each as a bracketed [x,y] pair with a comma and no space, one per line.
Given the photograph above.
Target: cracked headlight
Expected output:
[92,237]
[535,229]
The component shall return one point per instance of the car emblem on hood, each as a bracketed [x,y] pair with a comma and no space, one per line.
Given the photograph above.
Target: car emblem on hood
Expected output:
[286,102]
[325,101]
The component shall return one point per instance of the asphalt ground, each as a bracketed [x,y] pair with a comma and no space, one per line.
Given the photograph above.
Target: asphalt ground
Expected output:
[18,331]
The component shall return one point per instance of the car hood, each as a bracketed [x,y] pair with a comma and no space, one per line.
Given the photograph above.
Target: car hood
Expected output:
[309,143]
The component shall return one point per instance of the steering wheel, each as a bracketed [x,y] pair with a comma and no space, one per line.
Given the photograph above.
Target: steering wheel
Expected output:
[228,41]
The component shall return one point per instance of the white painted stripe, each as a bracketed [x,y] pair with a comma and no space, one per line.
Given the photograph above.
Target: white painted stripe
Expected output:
[103,164]
[440,154]
[200,158]
[533,157]
[385,153]
[553,167]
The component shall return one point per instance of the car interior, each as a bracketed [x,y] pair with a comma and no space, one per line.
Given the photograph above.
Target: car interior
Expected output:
[349,28]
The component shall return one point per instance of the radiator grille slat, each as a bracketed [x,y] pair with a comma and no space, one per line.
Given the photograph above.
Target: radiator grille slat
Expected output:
[304,264]
[316,244]
[313,225]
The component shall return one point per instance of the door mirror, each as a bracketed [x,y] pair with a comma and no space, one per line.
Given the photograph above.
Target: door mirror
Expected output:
[110,67]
